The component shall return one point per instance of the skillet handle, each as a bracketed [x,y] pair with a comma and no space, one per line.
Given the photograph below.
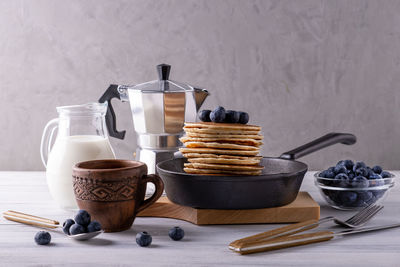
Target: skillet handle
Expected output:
[322,142]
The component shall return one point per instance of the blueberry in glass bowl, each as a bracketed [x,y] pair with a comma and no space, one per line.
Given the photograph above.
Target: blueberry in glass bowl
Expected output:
[352,186]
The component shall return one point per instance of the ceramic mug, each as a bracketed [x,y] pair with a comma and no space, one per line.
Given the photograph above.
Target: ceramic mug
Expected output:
[113,191]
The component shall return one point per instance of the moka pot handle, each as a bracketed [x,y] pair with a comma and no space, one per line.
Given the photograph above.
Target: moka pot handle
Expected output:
[111,122]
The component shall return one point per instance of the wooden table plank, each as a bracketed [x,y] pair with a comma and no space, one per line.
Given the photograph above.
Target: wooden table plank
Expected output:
[202,245]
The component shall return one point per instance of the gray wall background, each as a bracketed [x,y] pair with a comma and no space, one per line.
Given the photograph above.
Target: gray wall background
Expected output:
[300,68]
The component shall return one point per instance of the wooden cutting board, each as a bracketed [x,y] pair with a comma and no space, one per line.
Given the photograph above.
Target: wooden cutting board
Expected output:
[302,209]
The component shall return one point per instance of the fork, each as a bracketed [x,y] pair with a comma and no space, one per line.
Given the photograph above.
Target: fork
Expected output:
[360,218]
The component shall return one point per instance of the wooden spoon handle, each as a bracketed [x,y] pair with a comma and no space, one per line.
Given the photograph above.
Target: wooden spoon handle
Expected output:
[284,242]
[27,217]
[275,233]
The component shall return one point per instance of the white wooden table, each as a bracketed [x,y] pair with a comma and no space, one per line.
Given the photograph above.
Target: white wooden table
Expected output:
[202,245]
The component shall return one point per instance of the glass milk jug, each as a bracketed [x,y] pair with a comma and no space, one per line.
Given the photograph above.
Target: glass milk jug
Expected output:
[81,136]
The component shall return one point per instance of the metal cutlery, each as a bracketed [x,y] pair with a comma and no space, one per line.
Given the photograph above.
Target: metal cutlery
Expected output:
[304,239]
[358,219]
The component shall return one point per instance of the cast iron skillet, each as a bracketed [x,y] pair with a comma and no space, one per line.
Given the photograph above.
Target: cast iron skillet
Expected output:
[278,184]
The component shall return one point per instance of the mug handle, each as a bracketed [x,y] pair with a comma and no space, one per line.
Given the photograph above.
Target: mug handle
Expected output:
[159,185]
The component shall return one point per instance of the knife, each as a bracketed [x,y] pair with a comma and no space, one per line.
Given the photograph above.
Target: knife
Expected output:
[304,239]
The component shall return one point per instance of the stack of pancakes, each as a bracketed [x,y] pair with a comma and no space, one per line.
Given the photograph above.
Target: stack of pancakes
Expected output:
[222,148]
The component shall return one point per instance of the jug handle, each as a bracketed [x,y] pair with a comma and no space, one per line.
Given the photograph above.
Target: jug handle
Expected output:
[110,93]
[47,139]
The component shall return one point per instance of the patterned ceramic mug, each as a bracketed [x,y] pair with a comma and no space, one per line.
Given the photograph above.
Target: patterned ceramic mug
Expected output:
[113,191]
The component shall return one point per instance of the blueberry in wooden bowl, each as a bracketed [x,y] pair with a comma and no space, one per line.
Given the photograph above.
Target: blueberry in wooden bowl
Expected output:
[352,186]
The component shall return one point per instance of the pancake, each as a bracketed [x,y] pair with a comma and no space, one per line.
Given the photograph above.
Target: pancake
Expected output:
[220,146]
[205,155]
[218,151]
[230,136]
[219,172]
[225,161]
[223,167]
[226,140]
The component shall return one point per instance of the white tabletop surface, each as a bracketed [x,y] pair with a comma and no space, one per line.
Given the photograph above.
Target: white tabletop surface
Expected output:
[202,245]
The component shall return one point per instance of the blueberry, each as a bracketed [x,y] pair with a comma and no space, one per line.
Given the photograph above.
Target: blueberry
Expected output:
[143,239]
[362,172]
[385,174]
[351,175]
[67,225]
[378,193]
[366,196]
[77,229]
[218,114]
[176,233]
[370,172]
[82,218]
[347,198]
[332,169]
[375,176]
[329,193]
[340,169]
[377,169]
[204,115]
[340,162]
[94,226]
[327,174]
[232,116]
[360,182]
[348,164]
[323,173]
[341,180]
[358,165]
[42,238]
[244,117]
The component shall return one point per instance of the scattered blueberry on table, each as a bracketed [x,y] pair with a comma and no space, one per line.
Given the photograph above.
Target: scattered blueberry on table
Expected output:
[176,233]
[220,115]
[358,184]
[42,238]
[143,239]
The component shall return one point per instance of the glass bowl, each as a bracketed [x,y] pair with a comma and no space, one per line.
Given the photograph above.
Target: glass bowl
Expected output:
[344,195]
